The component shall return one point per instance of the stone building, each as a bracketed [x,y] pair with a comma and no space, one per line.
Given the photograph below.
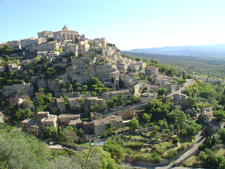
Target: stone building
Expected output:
[60,104]
[179,98]
[24,88]
[126,93]
[72,102]
[49,121]
[152,70]
[65,119]
[215,126]
[207,115]
[100,42]
[49,46]
[14,67]
[162,79]
[134,67]
[71,48]
[15,44]
[66,34]
[32,126]
[37,126]
[45,34]
[101,125]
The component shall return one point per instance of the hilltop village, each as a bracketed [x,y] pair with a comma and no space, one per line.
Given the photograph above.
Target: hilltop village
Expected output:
[63,80]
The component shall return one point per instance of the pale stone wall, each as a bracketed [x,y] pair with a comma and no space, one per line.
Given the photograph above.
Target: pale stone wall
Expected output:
[50,46]
[25,89]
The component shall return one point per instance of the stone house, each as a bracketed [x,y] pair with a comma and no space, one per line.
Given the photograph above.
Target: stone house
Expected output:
[37,126]
[146,97]
[83,47]
[170,86]
[25,89]
[32,126]
[15,44]
[215,126]
[14,67]
[72,102]
[45,34]
[179,98]
[95,116]
[126,93]
[60,103]
[134,67]
[41,115]
[50,121]
[100,125]
[65,119]
[75,123]
[141,64]
[152,70]
[42,53]
[162,79]
[71,48]
[49,46]
[29,42]
[108,51]
[88,127]
[100,42]
[126,114]
[207,115]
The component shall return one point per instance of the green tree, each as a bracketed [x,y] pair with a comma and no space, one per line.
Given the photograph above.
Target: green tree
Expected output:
[133,124]
[189,103]
[162,91]
[22,114]
[116,150]
[146,117]
[222,134]
[50,132]
[50,72]
[219,114]
[150,79]
[62,85]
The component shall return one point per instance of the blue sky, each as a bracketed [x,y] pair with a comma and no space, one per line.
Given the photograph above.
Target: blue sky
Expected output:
[127,23]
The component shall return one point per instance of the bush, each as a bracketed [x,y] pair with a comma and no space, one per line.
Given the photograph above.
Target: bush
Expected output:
[170,154]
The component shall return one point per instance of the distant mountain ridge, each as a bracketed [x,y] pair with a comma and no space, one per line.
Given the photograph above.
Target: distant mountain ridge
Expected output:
[203,51]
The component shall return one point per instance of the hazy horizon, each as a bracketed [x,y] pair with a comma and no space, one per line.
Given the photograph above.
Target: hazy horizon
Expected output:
[128,24]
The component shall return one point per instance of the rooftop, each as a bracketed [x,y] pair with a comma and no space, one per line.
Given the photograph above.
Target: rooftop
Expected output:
[49,118]
[34,123]
[69,116]
[117,92]
[44,112]
[60,100]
